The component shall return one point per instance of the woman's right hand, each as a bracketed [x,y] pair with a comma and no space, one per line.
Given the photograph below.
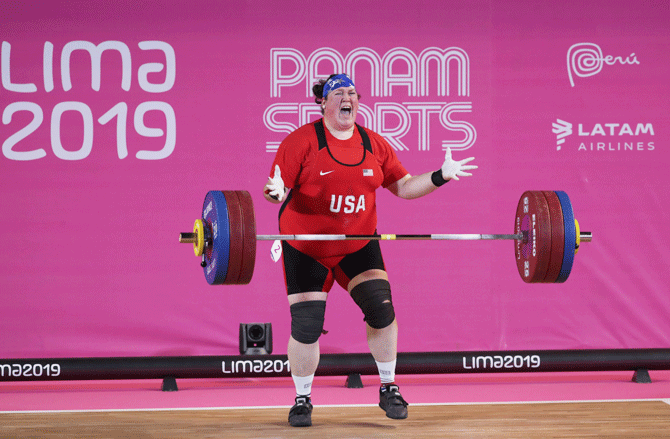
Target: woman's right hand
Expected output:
[274,190]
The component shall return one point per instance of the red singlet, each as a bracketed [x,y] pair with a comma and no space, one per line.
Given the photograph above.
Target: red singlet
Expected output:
[333,186]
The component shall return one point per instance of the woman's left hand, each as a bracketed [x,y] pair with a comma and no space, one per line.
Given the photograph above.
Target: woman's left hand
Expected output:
[452,169]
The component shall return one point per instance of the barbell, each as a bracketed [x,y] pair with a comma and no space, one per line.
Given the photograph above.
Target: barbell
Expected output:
[546,236]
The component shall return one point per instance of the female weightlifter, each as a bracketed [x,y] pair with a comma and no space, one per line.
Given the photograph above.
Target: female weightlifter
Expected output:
[333,167]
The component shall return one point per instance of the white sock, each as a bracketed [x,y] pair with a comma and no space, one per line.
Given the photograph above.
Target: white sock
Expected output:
[303,385]
[386,371]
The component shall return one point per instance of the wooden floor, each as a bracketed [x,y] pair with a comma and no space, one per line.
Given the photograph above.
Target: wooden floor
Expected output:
[630,419]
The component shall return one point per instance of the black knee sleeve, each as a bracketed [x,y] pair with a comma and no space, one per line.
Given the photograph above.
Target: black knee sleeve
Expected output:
[374,299]
[307,320]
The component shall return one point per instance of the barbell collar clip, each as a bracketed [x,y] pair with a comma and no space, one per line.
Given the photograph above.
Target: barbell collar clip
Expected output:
[187,238]
[585,236]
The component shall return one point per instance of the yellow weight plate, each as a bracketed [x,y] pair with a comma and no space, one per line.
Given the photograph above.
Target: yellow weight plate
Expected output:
[578,237]
[199,244]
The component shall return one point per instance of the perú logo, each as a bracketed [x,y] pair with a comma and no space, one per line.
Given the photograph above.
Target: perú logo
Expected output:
[586,59]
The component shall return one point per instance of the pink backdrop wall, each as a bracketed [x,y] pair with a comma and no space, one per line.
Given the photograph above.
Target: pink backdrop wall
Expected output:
[98,178]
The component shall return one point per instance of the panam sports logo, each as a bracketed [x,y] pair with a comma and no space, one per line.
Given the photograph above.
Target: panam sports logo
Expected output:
[610,136]
[430,105]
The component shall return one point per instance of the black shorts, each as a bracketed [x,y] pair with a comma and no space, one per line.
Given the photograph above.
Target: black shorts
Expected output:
[303,273]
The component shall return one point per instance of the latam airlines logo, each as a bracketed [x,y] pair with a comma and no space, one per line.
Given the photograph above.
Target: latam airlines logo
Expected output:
[606,136]
[562,129]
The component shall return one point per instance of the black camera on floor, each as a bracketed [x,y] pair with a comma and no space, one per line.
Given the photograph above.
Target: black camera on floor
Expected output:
[255,338]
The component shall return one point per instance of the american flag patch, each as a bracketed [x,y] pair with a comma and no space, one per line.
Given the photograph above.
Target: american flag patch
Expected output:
[367,172]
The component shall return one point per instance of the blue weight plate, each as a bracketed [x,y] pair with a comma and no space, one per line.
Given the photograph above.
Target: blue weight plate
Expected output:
[570,236]
[217,255]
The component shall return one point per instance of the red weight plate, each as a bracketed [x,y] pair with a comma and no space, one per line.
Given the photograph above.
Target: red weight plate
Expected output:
[236,238]
[249,233]
[532,253]
[557,236]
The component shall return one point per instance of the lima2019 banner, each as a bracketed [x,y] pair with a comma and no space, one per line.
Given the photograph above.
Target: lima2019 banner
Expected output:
[117,121]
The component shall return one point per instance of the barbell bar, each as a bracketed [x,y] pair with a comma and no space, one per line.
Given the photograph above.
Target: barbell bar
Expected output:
[192,238]
[545,227]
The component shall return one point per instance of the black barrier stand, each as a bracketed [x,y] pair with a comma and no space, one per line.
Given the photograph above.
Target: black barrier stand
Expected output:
[248,366]
[169,384]
[354,381]
[641,376]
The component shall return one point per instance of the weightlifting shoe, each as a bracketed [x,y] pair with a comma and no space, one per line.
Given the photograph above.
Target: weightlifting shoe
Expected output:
[392,402]
[300,414]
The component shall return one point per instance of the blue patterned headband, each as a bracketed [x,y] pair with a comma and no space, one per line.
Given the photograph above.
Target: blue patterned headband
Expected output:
[336,82]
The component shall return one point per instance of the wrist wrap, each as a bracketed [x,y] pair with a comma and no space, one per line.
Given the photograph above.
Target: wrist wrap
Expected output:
[436,178]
